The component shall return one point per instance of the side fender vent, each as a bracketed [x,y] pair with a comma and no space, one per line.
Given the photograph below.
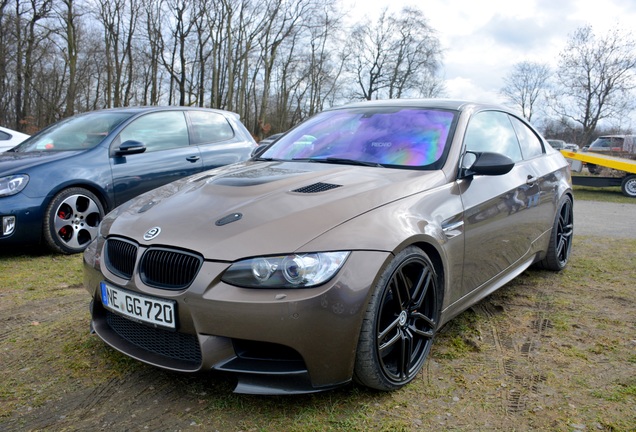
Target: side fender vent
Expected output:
[316,187]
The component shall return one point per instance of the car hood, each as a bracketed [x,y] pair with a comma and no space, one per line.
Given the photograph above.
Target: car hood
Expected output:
[262,208]
[17,163]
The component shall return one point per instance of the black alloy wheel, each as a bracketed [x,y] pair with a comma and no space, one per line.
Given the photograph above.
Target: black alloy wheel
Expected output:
[560,247]
[400,323]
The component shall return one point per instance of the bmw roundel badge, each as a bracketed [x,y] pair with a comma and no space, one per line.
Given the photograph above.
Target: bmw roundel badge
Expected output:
[152,233]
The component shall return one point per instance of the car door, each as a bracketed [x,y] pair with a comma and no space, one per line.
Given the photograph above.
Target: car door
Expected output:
[168,155]
[217,141]
[540,192]
[497,220]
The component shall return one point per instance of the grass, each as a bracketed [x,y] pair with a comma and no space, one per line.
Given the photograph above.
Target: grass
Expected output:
[35,275]
[608,194]
[491,368]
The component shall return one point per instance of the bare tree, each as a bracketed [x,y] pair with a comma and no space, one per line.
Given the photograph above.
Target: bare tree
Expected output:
[6,43]
[326,62]
[370,55]
[69,22]
[182,19]
[152,17]
[416,55]
[284,21]
[91,72]
[525,85]
[275,62]
[202,8]
[237,25]
[595,78]
[119,18]
[28,37]
[395,57]
[307,69]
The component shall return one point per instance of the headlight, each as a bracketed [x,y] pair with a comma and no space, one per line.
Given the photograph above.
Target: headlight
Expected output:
[288,271]
[11,185]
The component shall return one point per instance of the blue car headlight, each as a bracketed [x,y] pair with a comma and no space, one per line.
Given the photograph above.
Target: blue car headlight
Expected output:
[285,271]
[13,184]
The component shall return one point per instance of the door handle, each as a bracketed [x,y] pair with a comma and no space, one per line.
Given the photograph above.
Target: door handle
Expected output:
[193,158]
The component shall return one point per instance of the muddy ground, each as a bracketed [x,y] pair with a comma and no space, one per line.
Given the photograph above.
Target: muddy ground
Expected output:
[547,352]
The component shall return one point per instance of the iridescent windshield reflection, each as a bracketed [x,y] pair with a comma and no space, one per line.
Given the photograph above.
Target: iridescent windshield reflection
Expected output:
[394,137]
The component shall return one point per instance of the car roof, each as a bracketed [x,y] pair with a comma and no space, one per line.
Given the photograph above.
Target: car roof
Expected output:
[450,104]
[140,109]
[13,132]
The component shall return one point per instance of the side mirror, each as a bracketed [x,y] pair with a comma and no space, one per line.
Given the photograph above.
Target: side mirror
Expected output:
[130,147]
[485,163]
[259,150]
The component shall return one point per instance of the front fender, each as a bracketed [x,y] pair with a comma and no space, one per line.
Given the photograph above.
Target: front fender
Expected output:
[431,220]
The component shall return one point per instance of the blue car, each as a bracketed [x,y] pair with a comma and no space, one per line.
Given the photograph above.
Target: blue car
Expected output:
[56,186]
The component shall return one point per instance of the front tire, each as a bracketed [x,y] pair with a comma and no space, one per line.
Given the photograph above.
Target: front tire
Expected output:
[558,253]
[400,322]
[71,220]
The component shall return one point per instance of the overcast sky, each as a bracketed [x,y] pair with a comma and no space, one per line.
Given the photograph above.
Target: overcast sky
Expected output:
[482,39]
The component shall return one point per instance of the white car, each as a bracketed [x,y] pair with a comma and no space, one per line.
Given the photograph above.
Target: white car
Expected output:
[10,138]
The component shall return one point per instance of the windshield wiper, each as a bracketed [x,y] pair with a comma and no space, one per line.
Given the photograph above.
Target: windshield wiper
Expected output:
[342,161]
[268,159]
[353,162]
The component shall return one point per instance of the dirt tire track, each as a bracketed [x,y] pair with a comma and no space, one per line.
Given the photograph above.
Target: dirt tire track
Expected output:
[518,354]
[40,311]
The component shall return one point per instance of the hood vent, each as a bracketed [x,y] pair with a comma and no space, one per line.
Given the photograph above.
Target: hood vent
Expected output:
[316,187]
[229,219]
[147,207]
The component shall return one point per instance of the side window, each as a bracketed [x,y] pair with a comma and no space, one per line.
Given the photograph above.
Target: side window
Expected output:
[158,131]
[491,131]
[208,127]
[530,143]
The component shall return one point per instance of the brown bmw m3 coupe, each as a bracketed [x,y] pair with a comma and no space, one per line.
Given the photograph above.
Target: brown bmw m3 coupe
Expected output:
[336,254]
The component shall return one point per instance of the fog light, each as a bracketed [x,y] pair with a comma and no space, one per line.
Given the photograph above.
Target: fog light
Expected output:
[8,225]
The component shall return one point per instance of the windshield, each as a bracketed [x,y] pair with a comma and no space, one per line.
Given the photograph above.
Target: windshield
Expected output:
[607,142]
[409,137]
[557,144]
[75,133]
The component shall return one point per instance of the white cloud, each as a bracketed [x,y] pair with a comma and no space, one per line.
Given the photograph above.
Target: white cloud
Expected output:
[482,40]
[467,89]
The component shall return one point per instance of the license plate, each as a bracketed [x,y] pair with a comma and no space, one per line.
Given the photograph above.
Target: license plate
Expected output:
[150,310]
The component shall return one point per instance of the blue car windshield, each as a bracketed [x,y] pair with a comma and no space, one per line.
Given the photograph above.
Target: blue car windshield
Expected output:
[393,137]
[75,133]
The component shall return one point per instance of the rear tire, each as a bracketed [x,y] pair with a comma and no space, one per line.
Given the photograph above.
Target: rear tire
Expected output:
[628,186]
[558,253]
[400,322]
[72,220]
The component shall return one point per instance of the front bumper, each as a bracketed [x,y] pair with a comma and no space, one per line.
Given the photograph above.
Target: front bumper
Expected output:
[28,215]
[275,341]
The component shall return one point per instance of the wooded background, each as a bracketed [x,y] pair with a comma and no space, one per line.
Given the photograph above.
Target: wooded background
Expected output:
[276,62]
